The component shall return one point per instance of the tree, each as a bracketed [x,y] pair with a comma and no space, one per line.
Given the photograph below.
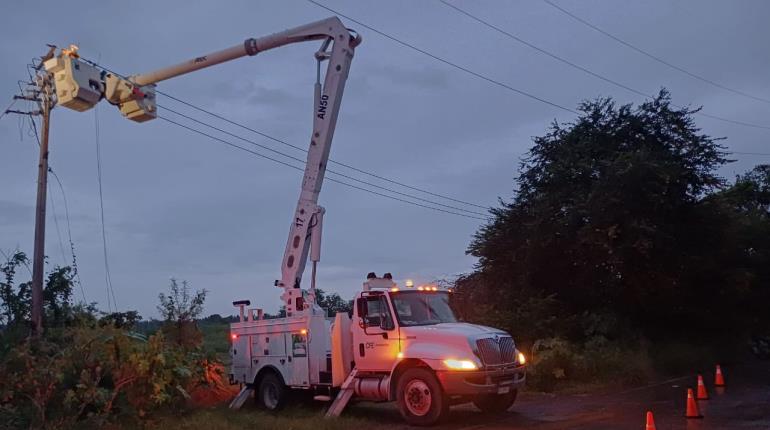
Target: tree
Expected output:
[333,303]
[179,309]
[610,218]
[16,300]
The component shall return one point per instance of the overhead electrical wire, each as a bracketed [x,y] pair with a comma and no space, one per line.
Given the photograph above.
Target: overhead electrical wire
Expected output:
[655,57]
[258,154]
[327,170]
[331,161]
[75,268]
[107,275]
[56,224]
[493,81]
[584,69]
[76,273]
[283,142]
[447,62]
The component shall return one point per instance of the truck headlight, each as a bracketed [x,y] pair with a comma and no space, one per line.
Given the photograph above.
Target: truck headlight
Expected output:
[522,359]
[460,364]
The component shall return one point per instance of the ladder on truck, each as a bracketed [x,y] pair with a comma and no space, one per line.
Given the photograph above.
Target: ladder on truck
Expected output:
[343,397]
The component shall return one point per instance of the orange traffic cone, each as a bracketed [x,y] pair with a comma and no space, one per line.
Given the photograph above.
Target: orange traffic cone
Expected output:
[702,393]
[719,380]
[692,406]
[650,422]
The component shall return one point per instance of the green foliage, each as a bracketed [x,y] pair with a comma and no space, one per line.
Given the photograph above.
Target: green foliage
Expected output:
[621,221]
[596,360]
[333,303]
[15,301]
[216,337]
[89,370]
[87,376]
[179,309]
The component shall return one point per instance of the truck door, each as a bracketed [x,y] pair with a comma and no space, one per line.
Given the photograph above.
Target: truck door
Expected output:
[375,337]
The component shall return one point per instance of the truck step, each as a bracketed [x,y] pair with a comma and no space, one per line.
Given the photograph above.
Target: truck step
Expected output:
[343,397]
[322,398]
[240,399]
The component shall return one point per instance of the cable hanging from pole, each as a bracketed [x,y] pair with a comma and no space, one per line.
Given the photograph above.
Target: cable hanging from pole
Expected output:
[107,275]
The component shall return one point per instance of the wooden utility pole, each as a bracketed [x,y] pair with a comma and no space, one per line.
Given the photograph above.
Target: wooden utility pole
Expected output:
[38,263]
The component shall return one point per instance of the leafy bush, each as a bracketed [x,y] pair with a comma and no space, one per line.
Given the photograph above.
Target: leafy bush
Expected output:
[89,376]
[89,369]
[558,361]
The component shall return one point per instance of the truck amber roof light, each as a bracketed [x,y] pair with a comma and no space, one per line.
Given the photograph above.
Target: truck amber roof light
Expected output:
[303,331]
[394,290]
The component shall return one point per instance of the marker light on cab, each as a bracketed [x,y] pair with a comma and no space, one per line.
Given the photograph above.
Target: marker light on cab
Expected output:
[460,364]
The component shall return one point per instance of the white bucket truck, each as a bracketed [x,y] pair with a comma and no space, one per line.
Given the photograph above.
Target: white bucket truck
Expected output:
[402,343]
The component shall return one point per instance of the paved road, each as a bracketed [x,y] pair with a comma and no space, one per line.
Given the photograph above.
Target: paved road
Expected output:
[743,404]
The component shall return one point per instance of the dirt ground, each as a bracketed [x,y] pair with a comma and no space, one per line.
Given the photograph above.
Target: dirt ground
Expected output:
[743,404]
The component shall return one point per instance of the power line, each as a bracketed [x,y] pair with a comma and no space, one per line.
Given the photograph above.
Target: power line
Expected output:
[76,273]
[493,81]
[447,62]
[56,224]
[283,142]
[75,268]
[233,145]
[5,111]
[585,70]
[328,170]
[107,276]
[655,57]
[348,166]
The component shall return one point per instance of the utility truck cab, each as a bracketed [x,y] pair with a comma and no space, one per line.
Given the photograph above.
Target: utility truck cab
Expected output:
[410,339]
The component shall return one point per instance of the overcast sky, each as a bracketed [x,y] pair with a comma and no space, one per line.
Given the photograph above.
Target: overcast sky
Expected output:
[180,205]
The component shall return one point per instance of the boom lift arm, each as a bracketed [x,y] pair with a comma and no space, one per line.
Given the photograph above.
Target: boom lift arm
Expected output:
[80,86]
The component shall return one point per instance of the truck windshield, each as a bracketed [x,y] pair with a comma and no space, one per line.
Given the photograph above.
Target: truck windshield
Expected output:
[418,308]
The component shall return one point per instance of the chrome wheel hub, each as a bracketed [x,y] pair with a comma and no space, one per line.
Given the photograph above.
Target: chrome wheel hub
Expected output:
[418,397]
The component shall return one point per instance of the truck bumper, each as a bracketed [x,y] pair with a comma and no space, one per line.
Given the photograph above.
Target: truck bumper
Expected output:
[492,381]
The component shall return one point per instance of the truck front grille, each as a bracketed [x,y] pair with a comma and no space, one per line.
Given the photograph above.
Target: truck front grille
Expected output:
[496,352]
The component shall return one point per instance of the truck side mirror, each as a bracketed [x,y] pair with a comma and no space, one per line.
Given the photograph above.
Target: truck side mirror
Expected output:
[386,322]
[361,310]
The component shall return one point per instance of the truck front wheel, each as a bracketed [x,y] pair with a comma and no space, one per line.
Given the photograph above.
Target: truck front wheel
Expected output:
[495,403]
[271,393]
[420,397]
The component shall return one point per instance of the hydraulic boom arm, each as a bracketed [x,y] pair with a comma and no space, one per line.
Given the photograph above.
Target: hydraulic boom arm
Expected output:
[80,86]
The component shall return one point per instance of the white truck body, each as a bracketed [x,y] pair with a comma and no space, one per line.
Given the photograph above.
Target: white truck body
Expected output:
[384,337]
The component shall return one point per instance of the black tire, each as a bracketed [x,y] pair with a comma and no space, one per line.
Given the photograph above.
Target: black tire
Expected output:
[495,403]
[271,393]
[420,397]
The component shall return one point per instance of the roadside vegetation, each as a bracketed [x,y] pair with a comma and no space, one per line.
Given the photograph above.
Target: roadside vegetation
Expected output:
[623,253]
[623,256]
[93,369]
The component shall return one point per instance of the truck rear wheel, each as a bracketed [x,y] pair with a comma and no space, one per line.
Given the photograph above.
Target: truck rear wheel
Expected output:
[271,392]
[495,403]
[420,397]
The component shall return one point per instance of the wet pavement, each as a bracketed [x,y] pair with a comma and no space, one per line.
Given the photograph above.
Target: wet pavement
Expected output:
[743,404]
